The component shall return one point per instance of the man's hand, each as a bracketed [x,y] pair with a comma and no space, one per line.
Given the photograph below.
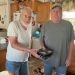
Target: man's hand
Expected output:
[34,53]
[68,62]
[69,57]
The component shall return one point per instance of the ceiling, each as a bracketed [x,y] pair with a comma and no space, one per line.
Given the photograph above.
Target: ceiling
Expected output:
[61,1]
[67,4]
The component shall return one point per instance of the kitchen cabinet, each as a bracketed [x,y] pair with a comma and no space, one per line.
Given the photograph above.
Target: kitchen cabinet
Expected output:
[43,10]
[14,6]
[2,59]
[32,4]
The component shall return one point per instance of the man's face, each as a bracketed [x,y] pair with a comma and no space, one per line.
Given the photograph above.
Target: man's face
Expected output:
[56,14]
[26,17]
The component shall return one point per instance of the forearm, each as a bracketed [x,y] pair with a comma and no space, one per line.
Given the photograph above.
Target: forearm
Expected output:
[69,57]
[20,46]
[71,47]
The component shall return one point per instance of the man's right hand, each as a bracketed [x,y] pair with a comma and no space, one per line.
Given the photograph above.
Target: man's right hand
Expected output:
[34,53]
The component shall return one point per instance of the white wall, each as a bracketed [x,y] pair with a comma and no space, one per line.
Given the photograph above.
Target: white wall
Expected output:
[4,13]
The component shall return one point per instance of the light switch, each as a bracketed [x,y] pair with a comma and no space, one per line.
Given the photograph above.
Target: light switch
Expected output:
[2,22]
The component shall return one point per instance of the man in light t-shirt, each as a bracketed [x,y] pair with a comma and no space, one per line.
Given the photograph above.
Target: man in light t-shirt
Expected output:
[19,42]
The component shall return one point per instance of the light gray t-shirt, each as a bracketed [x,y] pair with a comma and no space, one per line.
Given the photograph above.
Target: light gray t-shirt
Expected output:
[57,37]
[23,36]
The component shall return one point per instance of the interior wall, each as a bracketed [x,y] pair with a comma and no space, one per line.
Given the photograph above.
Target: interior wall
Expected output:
[4,13]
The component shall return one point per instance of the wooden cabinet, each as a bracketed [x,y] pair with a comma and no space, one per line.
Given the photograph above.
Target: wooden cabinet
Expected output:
[32,4]
[2,59]
[43,10]
[14,6]
[71,69]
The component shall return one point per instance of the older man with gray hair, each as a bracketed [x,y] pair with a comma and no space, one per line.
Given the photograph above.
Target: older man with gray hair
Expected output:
[19,42]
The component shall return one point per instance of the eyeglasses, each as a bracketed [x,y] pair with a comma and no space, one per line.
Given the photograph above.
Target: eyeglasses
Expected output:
[26,16]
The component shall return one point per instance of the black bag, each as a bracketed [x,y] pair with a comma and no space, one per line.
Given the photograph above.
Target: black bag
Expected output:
[45,53]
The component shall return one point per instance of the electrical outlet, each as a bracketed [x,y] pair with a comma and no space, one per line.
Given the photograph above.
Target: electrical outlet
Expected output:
[2,22]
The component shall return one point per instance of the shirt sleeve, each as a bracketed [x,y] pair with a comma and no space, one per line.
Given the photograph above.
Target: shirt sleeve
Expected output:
[12,31]
[42,34]
[72,34]
[71,31]
[42,30]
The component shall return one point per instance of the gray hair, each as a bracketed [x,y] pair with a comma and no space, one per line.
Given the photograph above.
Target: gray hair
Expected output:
[26,9]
